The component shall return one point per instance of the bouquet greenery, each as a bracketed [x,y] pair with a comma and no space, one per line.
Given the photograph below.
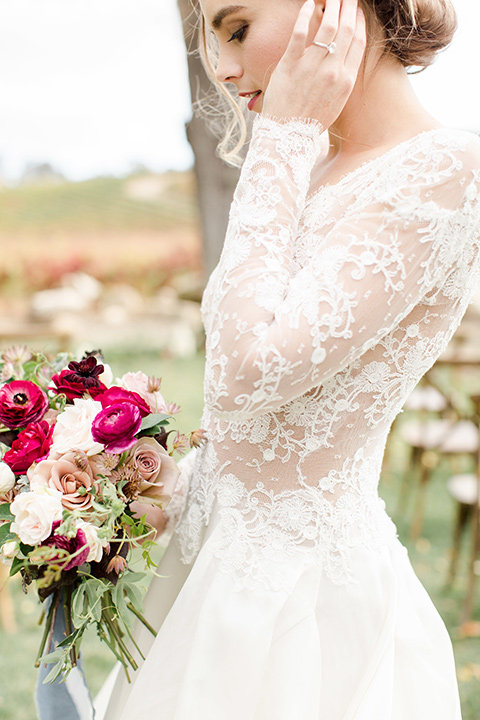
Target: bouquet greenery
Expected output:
[80,456]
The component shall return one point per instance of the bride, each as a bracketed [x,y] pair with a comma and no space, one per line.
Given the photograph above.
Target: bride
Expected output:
[349,261]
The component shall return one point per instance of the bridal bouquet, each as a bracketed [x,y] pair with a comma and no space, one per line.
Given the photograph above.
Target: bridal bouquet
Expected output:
[79,456]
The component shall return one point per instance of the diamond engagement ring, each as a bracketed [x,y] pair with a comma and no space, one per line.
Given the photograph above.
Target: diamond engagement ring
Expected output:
[331,47]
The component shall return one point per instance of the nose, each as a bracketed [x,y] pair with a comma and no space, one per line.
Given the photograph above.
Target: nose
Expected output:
[228,68]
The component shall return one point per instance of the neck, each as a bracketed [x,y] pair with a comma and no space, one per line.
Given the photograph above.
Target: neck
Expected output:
[381,111]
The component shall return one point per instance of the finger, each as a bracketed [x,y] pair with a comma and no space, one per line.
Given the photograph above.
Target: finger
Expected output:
[357,47]
[316,21]
[347,26]
[298,41]
[330,21]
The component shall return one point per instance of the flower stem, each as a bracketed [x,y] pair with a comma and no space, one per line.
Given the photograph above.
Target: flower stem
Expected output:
[67,609]
[116,634]
[143,620]
[48,630]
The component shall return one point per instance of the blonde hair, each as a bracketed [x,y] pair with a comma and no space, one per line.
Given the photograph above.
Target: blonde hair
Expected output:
[414,31]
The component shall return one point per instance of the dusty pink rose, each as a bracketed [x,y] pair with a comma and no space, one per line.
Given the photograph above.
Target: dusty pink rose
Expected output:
[68,475]
[32,445]
[159,472]
[22,402]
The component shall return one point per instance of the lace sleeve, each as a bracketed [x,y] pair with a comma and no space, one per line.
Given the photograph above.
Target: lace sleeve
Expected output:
[274,334]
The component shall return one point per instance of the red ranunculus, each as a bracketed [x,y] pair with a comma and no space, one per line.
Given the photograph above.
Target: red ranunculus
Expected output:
[79,378]
[116,395]
[22,402]
[116,427]
[32,445]
[71,545]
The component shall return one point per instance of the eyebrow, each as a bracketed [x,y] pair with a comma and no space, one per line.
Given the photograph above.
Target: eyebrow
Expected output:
[222,14]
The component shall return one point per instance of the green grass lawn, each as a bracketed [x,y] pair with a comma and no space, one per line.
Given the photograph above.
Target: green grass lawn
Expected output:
[182,383]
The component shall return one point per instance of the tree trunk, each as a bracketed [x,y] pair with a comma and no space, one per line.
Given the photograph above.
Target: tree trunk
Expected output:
[215,180]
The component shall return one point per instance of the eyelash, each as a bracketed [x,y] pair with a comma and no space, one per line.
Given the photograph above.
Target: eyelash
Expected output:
[240,34]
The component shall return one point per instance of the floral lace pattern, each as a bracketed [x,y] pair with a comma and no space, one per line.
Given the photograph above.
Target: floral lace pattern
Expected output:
[322,315]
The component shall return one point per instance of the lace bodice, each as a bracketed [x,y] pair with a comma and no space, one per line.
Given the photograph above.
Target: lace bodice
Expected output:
[322,315]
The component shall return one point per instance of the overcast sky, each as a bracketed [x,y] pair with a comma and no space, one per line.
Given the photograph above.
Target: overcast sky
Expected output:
[97,86]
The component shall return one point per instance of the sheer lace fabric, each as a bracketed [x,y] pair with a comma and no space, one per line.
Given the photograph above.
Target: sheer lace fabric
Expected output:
[322,315]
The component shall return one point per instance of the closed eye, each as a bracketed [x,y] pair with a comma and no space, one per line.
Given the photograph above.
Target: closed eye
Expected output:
[239,34]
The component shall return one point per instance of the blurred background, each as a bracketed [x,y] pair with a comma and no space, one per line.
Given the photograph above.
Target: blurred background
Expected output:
[112,214]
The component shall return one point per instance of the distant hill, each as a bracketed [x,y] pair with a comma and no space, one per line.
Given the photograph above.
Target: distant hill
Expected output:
[137,230]
[138,202]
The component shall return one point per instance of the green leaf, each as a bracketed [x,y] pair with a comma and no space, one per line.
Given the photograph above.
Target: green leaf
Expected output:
[86,605]
[154,430]
[53,656]
[5,513]
[17,564]
[120,602]
[155,419]
[135,595]
[6,535]
[54,673]
[26,549]
[133,577]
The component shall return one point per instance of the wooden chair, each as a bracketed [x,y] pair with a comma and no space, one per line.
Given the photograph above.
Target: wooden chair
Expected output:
[465,489]
[440,430]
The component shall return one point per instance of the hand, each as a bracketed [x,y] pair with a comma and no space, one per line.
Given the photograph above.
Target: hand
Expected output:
[309,81]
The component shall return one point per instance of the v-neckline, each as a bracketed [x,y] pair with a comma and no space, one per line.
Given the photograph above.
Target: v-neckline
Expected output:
[373,161]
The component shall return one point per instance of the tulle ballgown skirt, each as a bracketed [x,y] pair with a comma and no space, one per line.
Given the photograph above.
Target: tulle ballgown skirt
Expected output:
[374,649]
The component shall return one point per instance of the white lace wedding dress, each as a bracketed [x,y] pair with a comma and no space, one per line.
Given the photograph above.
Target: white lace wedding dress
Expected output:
[288,595]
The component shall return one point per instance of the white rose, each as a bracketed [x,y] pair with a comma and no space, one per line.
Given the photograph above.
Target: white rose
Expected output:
[35,512]
[10,549]
[7,478]
[95,543]
[73,429]
[140,383]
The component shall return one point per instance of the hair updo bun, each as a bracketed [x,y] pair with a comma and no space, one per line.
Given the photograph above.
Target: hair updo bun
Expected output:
[416,30]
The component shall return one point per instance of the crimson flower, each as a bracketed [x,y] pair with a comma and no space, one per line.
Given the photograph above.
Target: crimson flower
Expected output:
[116,426]
[71,545]
[116,395]
[79,378]
[32,445]
[21,402]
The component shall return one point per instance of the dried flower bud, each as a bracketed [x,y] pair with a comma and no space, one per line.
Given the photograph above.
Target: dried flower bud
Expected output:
[172,408]
[17,355]
[117,564]
[197,438]
[81,461]
[180,443]
[153,384]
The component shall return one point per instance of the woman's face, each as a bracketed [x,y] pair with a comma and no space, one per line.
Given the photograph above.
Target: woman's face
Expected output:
[252,37]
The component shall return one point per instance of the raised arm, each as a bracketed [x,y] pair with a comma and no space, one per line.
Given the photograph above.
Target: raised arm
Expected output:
[273,333]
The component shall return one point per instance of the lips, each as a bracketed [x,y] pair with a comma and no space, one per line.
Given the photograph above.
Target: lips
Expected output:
[252,97]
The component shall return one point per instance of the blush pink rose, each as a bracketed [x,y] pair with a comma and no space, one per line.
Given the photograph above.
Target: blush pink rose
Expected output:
[159,472]
[147,388]
[67,475]
[35,512]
